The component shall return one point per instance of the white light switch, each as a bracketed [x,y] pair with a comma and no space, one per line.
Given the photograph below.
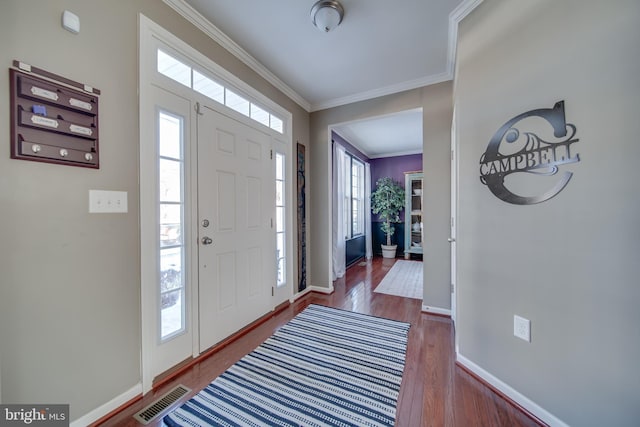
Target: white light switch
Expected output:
[101,201]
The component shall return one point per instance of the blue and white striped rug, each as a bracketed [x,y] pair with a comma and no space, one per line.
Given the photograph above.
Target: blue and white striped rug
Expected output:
[325,367]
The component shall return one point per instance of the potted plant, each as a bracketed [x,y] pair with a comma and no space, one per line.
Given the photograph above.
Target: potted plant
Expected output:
[387,201]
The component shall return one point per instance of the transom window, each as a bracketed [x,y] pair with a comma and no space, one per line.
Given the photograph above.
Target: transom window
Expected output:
[184,74]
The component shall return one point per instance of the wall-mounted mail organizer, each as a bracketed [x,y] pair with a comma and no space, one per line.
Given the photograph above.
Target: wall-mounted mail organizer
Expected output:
[53,119]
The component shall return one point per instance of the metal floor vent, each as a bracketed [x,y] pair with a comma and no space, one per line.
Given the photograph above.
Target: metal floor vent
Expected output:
[155,409]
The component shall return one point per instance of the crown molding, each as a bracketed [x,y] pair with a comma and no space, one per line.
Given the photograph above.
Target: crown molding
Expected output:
[200,22]
[387,90]
[457,15]
[396,154]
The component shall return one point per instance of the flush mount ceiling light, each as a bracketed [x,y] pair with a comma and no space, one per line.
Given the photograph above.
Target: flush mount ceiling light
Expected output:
[327,14]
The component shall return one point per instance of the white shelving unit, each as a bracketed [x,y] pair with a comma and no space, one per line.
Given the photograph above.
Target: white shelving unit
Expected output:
[413,237]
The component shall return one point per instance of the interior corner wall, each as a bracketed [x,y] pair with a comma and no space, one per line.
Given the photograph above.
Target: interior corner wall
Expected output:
[70,280]
[569,264]
[436,103]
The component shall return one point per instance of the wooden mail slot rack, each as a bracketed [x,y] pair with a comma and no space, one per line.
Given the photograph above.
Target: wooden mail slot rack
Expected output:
[51,122]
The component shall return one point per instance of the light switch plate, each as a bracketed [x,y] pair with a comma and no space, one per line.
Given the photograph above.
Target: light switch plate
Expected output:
[101,201]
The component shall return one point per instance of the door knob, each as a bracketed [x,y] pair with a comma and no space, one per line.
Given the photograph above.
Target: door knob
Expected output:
[207,240]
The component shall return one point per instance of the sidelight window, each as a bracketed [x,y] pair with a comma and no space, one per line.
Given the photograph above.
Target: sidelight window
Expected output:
[280,218]
[171,279]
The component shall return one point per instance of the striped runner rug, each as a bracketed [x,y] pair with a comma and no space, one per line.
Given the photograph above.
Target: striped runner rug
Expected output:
[325,367]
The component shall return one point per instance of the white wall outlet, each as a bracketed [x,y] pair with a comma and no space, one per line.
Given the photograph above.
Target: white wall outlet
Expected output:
[522,328]
[101,201]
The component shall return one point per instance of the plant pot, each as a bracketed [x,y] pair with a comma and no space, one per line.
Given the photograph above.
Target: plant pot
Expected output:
[389,251]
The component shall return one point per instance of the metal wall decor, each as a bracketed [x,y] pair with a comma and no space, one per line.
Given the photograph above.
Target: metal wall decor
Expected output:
[536,157]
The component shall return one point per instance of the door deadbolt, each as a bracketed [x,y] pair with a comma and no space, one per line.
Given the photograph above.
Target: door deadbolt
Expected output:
[205,223]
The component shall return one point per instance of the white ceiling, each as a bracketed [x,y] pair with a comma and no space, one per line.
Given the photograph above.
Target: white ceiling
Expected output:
[384,136]
[381,47]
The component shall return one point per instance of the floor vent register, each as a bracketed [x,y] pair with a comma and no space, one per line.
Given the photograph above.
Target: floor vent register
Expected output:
[156,408]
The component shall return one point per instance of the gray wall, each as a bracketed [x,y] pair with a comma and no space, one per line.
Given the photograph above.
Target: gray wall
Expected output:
[570,264]
[70,282]
[436,102]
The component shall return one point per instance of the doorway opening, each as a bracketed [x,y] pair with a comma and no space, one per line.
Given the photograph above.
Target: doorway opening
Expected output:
[390,145]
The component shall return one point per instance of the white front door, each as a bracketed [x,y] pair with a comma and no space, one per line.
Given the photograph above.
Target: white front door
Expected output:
[237,257]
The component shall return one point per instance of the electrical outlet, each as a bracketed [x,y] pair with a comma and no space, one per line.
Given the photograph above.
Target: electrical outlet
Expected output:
[522,328]
[101,201]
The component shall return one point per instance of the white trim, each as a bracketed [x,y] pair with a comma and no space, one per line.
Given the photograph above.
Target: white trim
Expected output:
[323,290]
[111,405]
[397,153]
[200,22]
[457,15]
[387,90]
[436,310]
[510,392]
[299,295]
[329,211]
[310,289]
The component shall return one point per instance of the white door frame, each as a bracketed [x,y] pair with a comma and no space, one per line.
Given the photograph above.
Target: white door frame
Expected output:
[150,34]
[454,216]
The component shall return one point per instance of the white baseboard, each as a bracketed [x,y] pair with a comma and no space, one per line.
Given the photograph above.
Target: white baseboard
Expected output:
[103,410]
[323,290]
[300,294]
[320,289]
[436,310]
[513,394]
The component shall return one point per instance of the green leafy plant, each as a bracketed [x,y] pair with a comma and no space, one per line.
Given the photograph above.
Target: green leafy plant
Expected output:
[387,201]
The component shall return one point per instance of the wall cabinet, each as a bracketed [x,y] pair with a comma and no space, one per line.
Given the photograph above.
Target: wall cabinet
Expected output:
[413,236]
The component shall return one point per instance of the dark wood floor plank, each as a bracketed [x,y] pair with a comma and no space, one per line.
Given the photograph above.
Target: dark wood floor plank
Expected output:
[434,391]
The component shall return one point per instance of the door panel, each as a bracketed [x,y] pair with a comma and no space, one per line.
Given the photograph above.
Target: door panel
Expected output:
[236,195]
[226,201]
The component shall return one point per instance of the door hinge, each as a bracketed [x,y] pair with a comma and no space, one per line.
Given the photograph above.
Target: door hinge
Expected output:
[271,154]
[197,108]
[273,291]
[452,288]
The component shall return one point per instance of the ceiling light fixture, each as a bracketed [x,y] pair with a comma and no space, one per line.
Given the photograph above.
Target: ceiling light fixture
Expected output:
[327,14]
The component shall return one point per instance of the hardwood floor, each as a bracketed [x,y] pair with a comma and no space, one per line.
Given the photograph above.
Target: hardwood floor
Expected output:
[434,392]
